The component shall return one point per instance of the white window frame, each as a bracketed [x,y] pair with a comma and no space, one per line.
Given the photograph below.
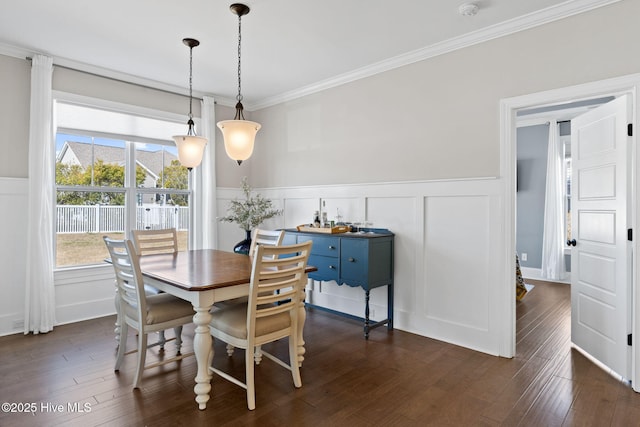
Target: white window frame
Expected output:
[130,192]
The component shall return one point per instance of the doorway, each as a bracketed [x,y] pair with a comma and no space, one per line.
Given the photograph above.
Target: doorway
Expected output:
[537,128]
[557,99]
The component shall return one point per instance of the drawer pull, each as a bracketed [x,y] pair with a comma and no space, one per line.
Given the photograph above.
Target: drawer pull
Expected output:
[331,247]
[331,267]
[351,259]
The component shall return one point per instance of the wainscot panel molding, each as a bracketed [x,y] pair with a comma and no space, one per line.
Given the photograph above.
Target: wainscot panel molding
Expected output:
[13,223]
[84,293]
[447,266]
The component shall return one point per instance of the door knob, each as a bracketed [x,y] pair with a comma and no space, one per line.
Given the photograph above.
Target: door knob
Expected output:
[571,242]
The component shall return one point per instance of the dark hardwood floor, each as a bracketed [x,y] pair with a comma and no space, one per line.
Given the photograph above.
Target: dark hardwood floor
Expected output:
[394,379]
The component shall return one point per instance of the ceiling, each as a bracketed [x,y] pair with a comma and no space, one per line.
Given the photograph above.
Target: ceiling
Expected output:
[289,47]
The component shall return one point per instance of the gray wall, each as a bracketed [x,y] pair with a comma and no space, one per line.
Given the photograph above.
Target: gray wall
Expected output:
[438,118]
[15,87]
[533,142]
[435,119]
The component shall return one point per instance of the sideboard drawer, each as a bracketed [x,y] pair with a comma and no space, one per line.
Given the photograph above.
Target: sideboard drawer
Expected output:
[323,245]
[354,261]
[328,268]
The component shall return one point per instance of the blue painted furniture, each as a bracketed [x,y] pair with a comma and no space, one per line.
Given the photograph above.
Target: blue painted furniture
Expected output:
[355,259]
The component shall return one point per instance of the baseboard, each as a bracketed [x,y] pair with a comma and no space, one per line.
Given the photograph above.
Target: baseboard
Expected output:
[536,274]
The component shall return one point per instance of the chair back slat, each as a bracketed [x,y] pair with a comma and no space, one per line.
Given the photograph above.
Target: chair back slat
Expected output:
[148,242]
[265,238]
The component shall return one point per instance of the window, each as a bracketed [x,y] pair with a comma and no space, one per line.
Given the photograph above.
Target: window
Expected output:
[109,184]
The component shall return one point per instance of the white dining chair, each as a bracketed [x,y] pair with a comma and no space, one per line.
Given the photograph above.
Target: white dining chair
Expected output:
[151,242]
[277,280]
[145,313]
[262,237]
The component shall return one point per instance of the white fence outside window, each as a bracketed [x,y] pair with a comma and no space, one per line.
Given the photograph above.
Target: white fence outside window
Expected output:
[110,219]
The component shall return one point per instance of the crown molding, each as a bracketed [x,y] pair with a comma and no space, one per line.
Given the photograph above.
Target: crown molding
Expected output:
[16,52]
[541,17]
[525,22]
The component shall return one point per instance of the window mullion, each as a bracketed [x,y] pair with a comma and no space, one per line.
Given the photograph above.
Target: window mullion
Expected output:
[130,186]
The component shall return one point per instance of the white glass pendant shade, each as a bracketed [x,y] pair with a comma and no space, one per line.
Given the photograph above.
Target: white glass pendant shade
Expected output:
[190,146]
[190,149]
[239,137]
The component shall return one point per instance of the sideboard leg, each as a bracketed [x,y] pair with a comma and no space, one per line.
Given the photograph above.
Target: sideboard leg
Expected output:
[390,306]
[366,314]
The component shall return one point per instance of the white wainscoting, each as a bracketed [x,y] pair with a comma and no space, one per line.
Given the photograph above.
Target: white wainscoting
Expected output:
[446,252]
[13,223]
[447,249]
[84,293]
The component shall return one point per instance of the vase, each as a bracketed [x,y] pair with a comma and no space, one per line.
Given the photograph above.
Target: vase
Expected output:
[243,246]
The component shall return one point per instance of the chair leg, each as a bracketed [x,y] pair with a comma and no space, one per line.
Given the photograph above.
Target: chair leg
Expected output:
[293,360]
[250,371]
[116,328]
[122,346]
[161,339]
[178,331]
[142,355]
[257,355]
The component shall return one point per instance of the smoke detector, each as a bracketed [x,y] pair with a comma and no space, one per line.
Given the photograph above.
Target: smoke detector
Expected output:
[468,9]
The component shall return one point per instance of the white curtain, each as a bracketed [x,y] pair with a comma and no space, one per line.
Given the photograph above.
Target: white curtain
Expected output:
[203,181]
[554,234]
[39,290]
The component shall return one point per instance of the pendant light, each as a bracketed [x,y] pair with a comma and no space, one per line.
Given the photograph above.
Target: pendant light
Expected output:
[239,134]
[190,146]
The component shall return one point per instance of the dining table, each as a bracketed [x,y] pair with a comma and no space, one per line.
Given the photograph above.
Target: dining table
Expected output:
[204,277]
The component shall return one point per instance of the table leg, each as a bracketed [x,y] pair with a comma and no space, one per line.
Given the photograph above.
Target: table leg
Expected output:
[203,351]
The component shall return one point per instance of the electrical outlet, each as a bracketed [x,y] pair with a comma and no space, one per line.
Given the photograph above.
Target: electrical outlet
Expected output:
[524,256]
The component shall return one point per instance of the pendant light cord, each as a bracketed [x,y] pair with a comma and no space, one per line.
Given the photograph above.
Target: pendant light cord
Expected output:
[239,97]
[190,131]
[239,106]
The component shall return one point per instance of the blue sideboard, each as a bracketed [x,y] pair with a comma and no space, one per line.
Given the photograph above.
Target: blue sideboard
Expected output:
[355,259]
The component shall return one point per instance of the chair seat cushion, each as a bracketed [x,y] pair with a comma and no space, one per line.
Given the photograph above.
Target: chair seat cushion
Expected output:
[162,308]
[232,320]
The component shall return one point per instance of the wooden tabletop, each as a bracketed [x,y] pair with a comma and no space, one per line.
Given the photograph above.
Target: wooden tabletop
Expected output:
[198,270]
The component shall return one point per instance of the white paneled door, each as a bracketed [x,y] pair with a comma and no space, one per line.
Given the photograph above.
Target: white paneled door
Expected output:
[600,258]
